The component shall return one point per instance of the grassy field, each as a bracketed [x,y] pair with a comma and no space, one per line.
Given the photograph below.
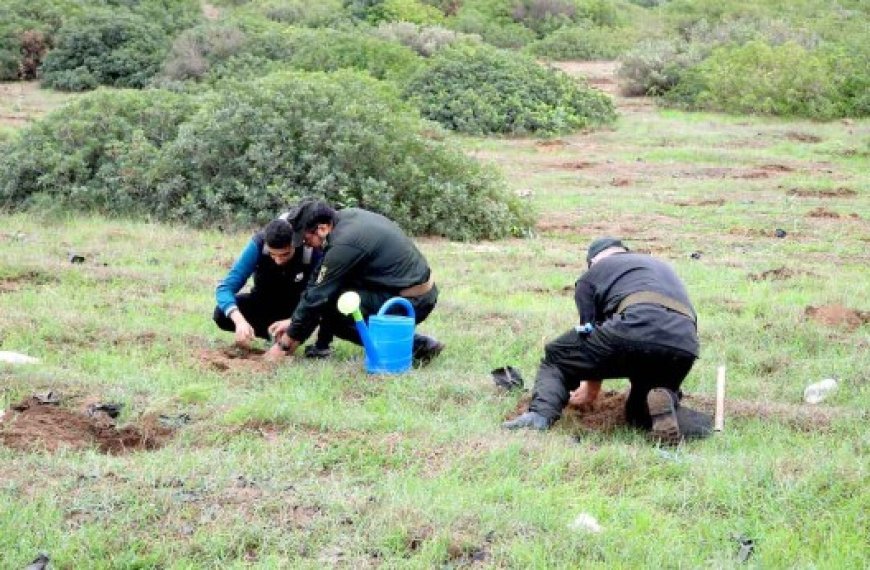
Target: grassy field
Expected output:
[316,464]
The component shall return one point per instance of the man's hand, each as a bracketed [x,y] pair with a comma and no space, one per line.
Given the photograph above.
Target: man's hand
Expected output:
[278,328]
[585,394]
[244,331]
[274,354]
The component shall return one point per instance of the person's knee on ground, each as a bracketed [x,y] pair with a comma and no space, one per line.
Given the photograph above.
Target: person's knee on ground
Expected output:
[664,424]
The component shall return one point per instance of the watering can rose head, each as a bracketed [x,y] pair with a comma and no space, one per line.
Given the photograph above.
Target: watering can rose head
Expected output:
[348,302]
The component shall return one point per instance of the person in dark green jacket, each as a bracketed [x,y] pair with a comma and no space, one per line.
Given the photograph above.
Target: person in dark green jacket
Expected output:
[363,252]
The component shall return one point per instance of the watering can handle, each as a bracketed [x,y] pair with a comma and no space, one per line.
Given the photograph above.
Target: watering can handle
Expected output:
[398,301]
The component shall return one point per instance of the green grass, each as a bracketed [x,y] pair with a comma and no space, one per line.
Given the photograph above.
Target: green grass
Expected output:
[316,464]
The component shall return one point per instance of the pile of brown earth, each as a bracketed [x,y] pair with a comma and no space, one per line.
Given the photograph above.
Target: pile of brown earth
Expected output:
[37,424]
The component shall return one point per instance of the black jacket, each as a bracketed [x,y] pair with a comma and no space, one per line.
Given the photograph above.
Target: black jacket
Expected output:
[364,251]
[599,291]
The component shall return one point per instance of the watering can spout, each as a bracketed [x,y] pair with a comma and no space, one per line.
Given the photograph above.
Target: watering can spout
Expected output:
[388,339]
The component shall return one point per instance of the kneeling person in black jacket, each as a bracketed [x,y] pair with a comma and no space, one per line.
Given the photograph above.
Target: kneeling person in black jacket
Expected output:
[280,272]
[636,322]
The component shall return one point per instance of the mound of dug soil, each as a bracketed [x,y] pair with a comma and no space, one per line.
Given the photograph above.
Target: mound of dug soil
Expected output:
[32,425]
[838,316]
[233,358]
[608,412]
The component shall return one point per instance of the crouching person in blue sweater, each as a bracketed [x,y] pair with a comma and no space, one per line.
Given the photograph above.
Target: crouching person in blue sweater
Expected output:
[281,273]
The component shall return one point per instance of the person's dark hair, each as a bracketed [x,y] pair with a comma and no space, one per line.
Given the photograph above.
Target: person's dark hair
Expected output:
[279,234]
[321,214]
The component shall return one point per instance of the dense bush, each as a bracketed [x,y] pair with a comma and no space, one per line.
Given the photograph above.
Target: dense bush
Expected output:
[95,153]
[329,50]
[779,80]
[655,67]
[491,21]
[425,40]
[120,49]
[236,156]
[485,90]
[259,145]
[195,50]
[302,12]
[583,43]
[26,31]
[412,11]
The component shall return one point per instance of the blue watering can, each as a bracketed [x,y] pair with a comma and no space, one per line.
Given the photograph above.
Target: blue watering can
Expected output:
[389,339]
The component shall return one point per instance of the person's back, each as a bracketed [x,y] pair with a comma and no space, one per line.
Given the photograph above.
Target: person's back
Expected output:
[612,279]
[391,260]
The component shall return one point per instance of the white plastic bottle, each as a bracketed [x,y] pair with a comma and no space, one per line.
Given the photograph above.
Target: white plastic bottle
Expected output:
[815,393]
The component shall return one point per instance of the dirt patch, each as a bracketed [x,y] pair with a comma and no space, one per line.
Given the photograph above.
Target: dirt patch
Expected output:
[802,137]
[608,412]
[822,212]
[841,192]
[550,145]
[576,165]
[621,182]
[31,425]
[719,202]
[778,274]
[838,316]
[233,358]
[12,283]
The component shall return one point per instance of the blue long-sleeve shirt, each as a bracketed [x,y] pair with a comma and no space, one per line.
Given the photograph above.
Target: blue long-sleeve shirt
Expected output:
[241,271]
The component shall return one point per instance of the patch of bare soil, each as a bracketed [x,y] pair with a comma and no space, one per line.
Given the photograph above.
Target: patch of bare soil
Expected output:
[12,283]
[608,412]
[841,192]
[233,358]
[802,137]
[550,145]
[210,11]
[838,316]
[558,222]
[599,74]
[717,202]
[575,165]
[778,274]
[31,425]
[822,212]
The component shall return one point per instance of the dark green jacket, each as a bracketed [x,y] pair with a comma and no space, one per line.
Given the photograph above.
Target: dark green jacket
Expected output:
[364,252]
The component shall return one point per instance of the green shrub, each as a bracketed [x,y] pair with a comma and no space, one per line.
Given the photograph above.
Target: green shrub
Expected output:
[779,80]
[425,40]
[329,50]
[258,146]
[404,11]
[491,21]
[195,50]
[302,12]
[485,90]
[238,155]
[582,43]
[27,28]
[119,49]
[655,67]
[94,153]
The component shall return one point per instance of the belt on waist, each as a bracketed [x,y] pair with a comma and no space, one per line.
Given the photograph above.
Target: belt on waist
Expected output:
[418,290]
[651,297]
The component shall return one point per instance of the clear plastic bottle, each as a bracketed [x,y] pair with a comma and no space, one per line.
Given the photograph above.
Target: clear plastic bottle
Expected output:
[815,393]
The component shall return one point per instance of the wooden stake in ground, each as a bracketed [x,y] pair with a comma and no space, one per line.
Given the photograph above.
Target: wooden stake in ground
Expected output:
[719,418]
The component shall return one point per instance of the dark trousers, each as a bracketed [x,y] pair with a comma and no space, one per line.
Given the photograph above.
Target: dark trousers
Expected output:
[259,311]
[343,326]
[574,357]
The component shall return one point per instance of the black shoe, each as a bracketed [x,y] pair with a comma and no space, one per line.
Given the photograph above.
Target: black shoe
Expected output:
[425,349]
[665,427]
[694,424]
[314,351]
[532,420]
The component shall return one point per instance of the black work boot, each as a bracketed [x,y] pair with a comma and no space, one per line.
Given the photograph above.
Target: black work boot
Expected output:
[694,424]
[665,427]
[314,351]
[425,349]
[532,420]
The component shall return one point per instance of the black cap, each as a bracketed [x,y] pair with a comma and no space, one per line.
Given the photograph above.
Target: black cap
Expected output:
[305,215]
[600,245]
